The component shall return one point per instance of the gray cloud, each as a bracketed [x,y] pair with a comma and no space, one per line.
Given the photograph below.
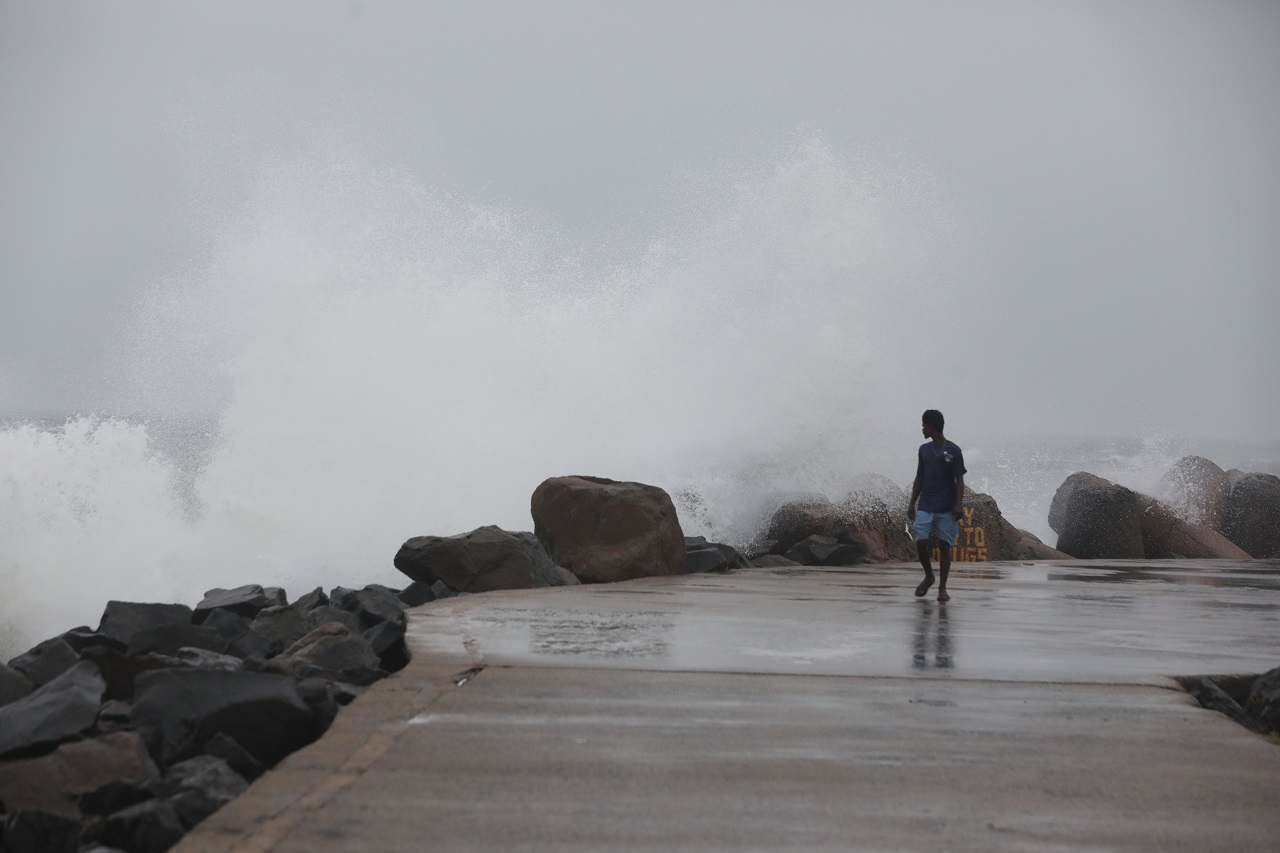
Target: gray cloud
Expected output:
[1111,167]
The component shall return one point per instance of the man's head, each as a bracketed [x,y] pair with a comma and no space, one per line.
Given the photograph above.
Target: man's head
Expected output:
[931,423]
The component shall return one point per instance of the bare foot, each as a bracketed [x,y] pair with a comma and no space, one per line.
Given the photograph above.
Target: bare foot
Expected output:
[924,586]
[942,595]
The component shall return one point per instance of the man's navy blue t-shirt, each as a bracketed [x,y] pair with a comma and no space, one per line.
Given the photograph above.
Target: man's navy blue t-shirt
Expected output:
[940,466]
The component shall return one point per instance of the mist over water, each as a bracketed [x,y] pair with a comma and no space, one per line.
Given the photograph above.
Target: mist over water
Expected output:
[357,359]
[354,358]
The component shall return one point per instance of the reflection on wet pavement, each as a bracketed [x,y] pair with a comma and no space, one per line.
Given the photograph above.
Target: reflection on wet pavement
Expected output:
[933,638]
[1053,621]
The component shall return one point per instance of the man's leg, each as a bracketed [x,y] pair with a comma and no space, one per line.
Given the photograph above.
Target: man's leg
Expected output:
[944,568]
[922,551]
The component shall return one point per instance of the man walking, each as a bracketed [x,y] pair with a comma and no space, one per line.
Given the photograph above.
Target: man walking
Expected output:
[939,489]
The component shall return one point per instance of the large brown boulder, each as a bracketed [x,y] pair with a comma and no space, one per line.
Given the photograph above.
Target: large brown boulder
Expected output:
[483,560]
[603,530]
[1165,534]
[1196,489]
[1251,514]
[1095,518]
[55,782]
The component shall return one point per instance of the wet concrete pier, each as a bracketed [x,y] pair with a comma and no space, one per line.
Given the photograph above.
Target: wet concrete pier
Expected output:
[802,708]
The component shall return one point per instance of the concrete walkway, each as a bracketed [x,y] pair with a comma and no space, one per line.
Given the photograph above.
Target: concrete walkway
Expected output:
[805,708]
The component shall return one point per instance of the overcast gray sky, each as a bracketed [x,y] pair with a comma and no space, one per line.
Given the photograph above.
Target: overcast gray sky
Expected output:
[1113,165]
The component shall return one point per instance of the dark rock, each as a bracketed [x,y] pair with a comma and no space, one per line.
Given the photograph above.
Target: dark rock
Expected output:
[703,556]
[242,640]
[1163,533]
[243,601]
[1058,506]
[281,627]
[416,594]
[342,598]
[202,785]
[1097,519]
[1196,490]
[152,826]
[876,525]
[825,551]
[375,604]
[181,710]
[602,530]
[114,715]
[319,696]
[440,589]
[122,619]
[1213,697]
[205,659]
[30,831]
[168,639]
[56,782]
[312,600]
[485,559]
[343,693]
[276,596]
[46,661]
[237,757]
[61,710]
[13,685]
[773,561]
[1262,708]
[861,521]
[84,637]
[1251,514]
[387,641]
[115,795]
[120,671]
[333,652]
[327,613]
[794,521]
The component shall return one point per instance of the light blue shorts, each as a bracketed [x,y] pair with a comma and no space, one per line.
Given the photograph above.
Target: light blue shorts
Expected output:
[943,522]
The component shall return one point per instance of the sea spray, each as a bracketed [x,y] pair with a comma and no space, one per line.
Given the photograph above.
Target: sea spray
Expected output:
[385,359]
[378,359]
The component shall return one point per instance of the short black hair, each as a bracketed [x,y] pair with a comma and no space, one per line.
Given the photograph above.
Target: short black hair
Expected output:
[933,418]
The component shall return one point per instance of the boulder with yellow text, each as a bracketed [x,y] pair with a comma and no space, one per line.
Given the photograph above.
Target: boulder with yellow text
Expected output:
[985,534]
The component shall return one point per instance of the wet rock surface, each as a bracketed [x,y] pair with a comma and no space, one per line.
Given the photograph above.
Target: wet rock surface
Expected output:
[1205,514]
[482,560]
[1096,518]
[1251,514]
[605,530]
[127,736]
[703,556]
[61,710]
[1252,701]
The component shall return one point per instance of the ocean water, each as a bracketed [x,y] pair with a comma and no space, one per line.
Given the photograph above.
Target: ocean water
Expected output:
[354,359]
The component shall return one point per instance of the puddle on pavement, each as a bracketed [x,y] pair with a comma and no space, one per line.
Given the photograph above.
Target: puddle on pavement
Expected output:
[977,574]
[615,634]
[1119,575]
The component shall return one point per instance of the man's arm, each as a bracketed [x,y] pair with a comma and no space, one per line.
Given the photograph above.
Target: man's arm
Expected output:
[959,509]
[915,494]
